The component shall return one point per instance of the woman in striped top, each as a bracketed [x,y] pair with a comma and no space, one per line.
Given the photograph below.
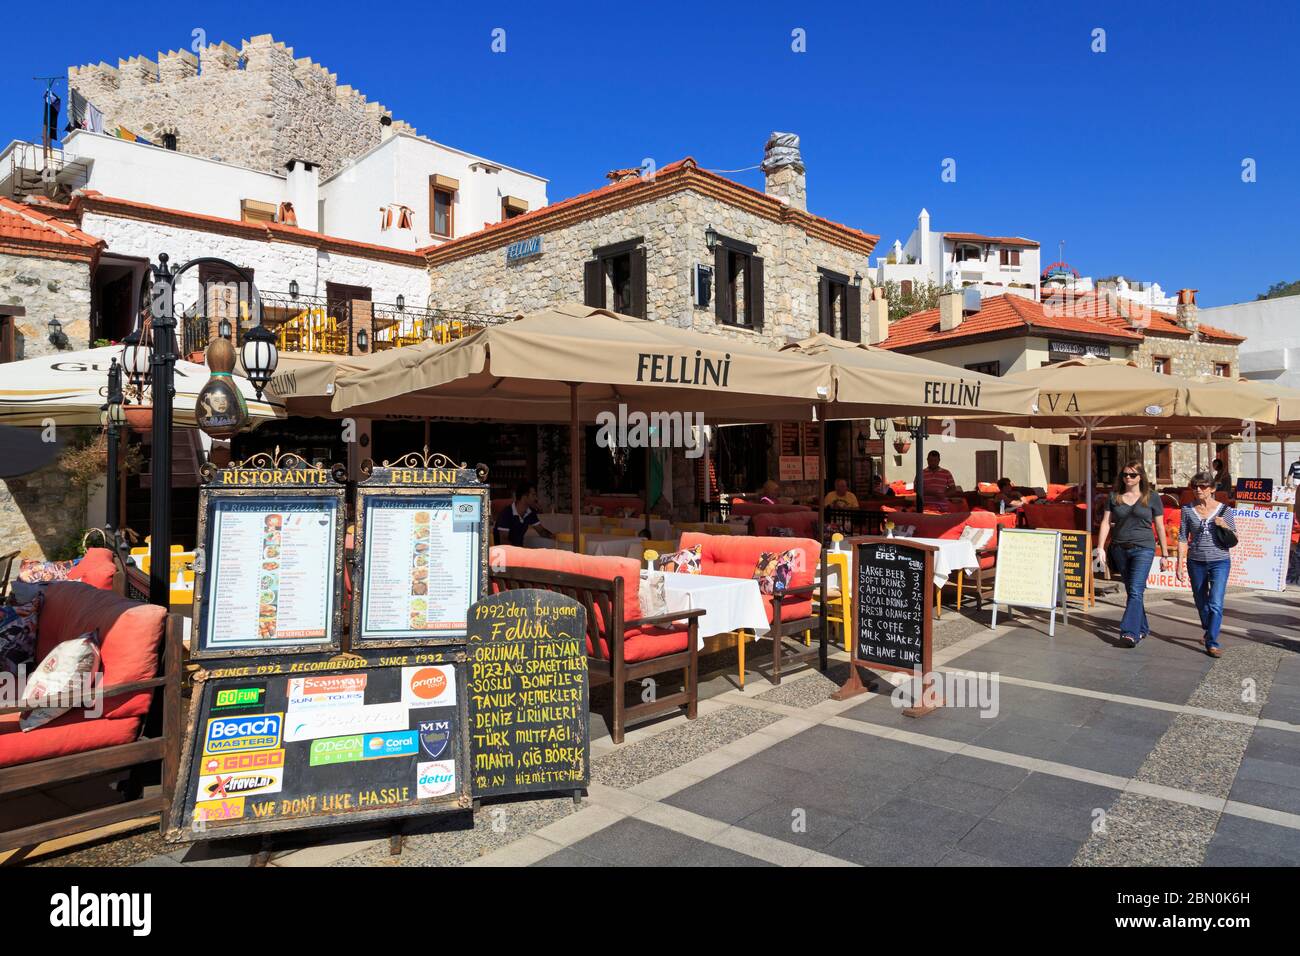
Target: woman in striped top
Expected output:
[1200,558]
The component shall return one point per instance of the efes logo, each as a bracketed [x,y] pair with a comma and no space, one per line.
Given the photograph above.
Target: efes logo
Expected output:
[234,763]
[234,697]
[435,779]
[433,686]
[223,786]
[434,737]
[230,734]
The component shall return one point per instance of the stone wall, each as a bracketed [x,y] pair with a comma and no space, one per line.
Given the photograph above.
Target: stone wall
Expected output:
[257,106]
[40,513]
[673,227]
[1189,357]
[48,289]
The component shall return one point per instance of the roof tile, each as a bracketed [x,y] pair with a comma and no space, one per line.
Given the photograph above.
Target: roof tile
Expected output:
[1000,313]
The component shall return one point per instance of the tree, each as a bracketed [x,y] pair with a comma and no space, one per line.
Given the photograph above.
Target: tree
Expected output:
[1279,289]
[921,297]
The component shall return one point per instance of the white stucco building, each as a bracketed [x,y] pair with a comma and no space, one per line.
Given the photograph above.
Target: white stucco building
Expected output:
[995,265]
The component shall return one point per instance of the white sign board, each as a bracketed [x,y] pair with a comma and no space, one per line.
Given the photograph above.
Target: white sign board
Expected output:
[1029,572]
[1259,561]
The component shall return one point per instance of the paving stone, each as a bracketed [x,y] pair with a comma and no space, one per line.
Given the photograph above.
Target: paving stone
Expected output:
[1263,794]
[814,828]
[1269,771]
[871,847]
[708,855]
[906,816]
[962,858]
[568,857]
[1282,746]
[1070,793]
[1222,854]
[1258,836]
[986,773]
[720,800]
[635,843]
[1018,846]
[1031,811]
[955,793]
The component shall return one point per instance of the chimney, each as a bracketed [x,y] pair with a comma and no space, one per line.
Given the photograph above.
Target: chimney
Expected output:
[783,167]
[1187,309]
[385,128]
[877,317]
[302,188]
[950,310]
[923,237]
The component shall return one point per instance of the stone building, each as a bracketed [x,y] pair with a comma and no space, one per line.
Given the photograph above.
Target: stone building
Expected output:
[1173,344]
[679,245]
[257,106]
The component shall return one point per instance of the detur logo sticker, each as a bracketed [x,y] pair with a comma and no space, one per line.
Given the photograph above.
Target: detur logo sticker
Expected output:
[229,734]
[435,779]
[433,686]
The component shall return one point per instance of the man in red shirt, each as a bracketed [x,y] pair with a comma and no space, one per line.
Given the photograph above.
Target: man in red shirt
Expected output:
[938,482]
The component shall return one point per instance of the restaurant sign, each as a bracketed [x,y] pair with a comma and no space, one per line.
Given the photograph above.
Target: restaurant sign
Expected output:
[1097,350]
[523,249]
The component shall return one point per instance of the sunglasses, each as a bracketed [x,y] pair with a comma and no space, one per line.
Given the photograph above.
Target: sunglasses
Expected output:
[1129,474]
[1202,487]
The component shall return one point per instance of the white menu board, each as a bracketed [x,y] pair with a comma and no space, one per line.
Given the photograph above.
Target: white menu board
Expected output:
[422,565]
[271,572]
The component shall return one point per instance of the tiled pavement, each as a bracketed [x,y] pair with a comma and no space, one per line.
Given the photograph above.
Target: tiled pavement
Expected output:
[1097,755]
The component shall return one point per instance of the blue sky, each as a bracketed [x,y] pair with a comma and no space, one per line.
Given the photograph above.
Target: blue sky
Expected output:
[1132,156]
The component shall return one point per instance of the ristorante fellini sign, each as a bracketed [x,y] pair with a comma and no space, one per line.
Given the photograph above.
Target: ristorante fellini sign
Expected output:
[661,369]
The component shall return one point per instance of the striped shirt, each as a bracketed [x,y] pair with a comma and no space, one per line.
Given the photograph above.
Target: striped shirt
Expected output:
[1201,545]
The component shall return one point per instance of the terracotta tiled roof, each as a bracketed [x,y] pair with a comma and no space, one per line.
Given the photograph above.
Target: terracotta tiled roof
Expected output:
[1002,240]
[999,316]
[1141,318]
[30,228]
[683,174]
[94,201]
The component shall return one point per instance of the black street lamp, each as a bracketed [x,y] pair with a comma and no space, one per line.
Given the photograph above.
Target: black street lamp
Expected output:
[916,427]
[161,351]
[112,417]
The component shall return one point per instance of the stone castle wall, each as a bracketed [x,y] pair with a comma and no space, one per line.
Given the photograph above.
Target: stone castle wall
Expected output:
[48,289]
[673,227]
[257,106]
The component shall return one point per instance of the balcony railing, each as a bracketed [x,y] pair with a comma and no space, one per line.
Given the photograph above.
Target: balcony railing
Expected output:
[316,324]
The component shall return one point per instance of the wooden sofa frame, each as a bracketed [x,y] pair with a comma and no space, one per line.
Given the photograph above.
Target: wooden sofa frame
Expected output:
[150,748]
[606,597]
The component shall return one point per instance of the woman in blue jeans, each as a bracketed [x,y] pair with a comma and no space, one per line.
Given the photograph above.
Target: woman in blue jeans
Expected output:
[1200,558]
[1132,510]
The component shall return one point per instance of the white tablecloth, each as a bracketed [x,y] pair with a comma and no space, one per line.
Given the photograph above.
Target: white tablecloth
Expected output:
[728,603]
[620,545]
[953,553]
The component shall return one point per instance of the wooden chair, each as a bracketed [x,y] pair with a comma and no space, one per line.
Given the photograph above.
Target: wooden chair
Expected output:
[608,639]
[157,746]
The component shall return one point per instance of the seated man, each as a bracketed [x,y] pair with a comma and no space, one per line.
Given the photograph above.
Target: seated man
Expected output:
[1008,498]
[938,483]
[841,497]
[879,489]
[521,514]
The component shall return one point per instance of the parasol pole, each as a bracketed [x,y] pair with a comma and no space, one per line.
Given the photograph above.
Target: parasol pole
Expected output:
[575,480]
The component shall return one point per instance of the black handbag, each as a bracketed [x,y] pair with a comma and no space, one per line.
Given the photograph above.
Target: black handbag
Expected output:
[1225,538]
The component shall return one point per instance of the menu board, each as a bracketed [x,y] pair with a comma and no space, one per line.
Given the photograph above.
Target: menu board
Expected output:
[1076,566]
[1030,572]
[1259,561]
[270,563]
[422,568]
[790,468]
[891,605]
[287,745]
[268,571]
[528,693]
[421,551]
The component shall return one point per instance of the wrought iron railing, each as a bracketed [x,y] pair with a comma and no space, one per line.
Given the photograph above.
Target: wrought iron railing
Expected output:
[307,323]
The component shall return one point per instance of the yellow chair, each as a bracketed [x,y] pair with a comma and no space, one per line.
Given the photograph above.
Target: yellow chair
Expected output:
[566,538]
[837,599]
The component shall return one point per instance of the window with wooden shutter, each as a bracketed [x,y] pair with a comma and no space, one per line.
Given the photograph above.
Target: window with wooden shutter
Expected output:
[637,306]
[616,278]
[824,323]
[839,306]
[593,284]
[754,292]
[738,278]
[722,284]
[853,314]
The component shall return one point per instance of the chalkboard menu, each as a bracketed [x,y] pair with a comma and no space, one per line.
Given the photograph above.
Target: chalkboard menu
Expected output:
[891,611]
[1076,566]
[528,693]
[290,744]
[421,551]
[269,568]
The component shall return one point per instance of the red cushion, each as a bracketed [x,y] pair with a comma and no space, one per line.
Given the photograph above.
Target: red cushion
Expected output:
[802,523]
[928,525]
[130,637]
[69,734]
[790,610]
[643,644]
[988,560]
[606,567]
[1054,515]
[96,569]
[735,556]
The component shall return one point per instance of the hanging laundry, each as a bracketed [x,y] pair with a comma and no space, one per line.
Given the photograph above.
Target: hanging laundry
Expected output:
[123,133]
[52,106]
[286,216]
[82,114]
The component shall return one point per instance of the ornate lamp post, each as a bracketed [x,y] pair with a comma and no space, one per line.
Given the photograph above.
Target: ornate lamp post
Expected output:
[112,418]
[916,427]
[260,358]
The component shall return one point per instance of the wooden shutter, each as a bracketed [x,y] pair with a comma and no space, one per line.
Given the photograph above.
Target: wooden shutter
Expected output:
[593,284]
[637,262]
[824,305]
[754,293]
[722,284]
[853,313]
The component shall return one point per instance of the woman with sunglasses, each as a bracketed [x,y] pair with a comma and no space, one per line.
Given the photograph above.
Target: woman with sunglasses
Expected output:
[1131,511]
[1202,559]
